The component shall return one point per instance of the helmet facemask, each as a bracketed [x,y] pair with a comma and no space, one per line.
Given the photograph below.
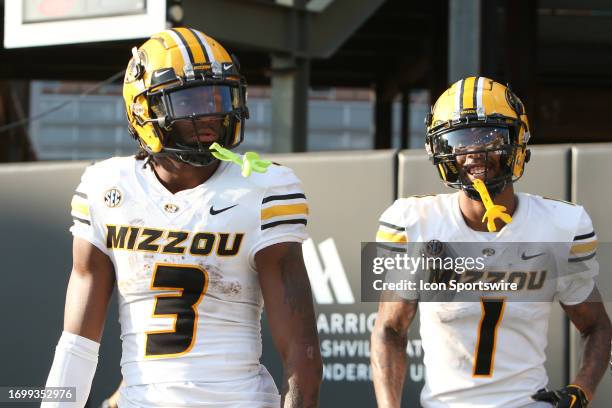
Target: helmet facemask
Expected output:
[191,118]
[483,151]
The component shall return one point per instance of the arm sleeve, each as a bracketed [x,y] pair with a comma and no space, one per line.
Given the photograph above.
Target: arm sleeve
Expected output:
[283,217]
[83,214]
[576,282]
[74,365]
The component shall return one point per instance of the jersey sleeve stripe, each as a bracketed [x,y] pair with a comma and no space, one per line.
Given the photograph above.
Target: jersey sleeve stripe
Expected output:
[383,236]
[281,222]
[79,206]
[582,258]
[81,220]
[82,195]
[283,197]
[584,248]
[585,236]
[280,210]
[397,248]
[395,227]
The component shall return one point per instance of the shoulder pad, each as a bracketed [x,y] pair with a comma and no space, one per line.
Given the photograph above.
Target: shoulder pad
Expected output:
[559,200]
[107,173]
[566,216]
[276,175]
[422,195]
[399,213]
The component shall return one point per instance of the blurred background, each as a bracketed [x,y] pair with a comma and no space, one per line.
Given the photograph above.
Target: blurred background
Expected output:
[338,89]
[342,74]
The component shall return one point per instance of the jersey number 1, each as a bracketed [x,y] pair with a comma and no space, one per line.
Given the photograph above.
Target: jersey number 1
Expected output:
[492,313]
[191,281]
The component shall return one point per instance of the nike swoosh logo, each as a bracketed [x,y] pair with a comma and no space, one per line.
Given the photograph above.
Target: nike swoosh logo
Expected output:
[526,257]
[215,212]
[226,67]
[157,74]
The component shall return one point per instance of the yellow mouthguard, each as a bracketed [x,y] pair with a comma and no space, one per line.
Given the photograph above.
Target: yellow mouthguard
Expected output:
[493,211]
[251,161]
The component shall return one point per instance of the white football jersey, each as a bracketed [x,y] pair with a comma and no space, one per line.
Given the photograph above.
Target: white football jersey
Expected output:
[189,297]
[491,354]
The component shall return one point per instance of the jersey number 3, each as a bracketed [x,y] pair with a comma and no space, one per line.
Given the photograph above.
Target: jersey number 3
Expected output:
[191,281]
[492,313]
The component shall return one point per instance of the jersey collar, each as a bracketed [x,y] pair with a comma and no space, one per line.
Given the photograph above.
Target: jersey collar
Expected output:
[508,233]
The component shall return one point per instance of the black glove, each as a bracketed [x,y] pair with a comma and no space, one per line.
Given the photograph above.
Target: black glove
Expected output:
[570,396]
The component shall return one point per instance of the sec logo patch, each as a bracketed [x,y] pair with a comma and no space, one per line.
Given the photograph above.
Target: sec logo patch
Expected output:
[113,198]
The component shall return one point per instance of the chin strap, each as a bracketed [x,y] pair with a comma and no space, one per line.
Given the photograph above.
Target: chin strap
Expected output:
[493,211]
[249,163]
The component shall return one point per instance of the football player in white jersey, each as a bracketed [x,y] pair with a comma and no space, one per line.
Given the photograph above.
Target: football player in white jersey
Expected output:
[488,353]
[195,247]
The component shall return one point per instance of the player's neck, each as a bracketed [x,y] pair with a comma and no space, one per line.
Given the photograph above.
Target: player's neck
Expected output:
[177,176]
[473,210]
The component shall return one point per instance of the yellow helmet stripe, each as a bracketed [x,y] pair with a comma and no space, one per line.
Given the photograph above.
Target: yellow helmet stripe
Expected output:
[185,52]
[199,57]
[468,94]
[209,52]
[202,46]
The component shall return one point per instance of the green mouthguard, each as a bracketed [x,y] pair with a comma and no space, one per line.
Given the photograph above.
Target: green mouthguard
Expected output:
[251,161]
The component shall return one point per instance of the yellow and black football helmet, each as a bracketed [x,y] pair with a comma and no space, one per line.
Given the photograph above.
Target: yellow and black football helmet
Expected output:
[181,74]
[477,115]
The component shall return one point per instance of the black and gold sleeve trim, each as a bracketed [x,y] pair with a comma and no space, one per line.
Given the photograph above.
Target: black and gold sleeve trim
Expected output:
[584,236]
[283,197]
[281,222]
[81,220]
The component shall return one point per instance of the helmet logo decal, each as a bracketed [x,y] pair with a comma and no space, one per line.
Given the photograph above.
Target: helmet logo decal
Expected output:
[112,198]
[136,67]
[157,74]
[514,103]
[163,75]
